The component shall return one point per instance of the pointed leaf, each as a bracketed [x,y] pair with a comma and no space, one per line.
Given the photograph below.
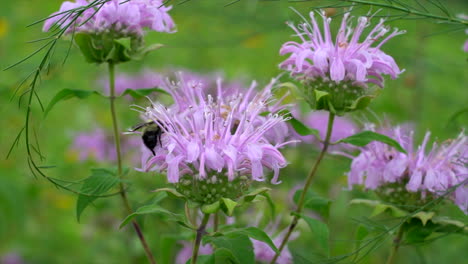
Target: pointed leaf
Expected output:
[302,129]
[155,209]
[66,94]
[100,181]
[257,234]
[228,206]
[211,208]
[365,137]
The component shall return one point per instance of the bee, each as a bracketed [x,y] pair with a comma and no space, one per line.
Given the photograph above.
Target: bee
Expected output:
[151,135]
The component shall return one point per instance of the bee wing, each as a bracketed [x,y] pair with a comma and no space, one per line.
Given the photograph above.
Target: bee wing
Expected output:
[140,125]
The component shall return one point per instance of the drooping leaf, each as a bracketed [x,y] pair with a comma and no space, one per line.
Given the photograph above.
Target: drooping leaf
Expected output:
[380,207]
[238,244]
[255,233]
[250,196]
[139,93]
[315,202]
[158,210]
[365,137]
[319,231]
[302,129]
[100,181]
[66,94]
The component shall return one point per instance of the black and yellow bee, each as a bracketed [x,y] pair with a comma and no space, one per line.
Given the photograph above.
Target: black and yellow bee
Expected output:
[151,135]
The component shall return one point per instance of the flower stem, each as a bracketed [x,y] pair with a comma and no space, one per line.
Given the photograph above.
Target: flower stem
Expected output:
[312,173]
[200,233]
[123,193]
[396,246]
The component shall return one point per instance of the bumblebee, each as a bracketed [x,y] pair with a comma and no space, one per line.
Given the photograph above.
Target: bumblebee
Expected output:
[151,135]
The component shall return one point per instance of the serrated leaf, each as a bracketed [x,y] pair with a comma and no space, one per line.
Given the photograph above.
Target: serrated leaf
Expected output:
[257,234]
[302,129]
[238,244]
[158,210]
[228,206]
[66,94]
[320,232]
[100,181]
[363,138]
[314,202]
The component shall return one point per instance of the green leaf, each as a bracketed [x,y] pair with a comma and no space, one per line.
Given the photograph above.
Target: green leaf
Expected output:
[66,94]
[158,210]
[100,181]
[361,233]
[380,207]
[320,232]
[238,244]
[228,206]
[171,192]
[302,129]
[125,42]
[315,202]
[365,137]
[211,208]
[251,195]
[424,216]
[257,234]
[361,103]
[139,93]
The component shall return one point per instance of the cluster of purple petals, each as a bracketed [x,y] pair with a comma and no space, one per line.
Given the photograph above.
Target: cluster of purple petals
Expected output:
[127,18]
[343,59]
[436,172]
[207,134]
[99,146]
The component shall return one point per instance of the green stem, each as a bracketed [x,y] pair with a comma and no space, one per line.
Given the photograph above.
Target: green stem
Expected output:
[200,233]
[312,173]
[123,193]
[396,246]
[216,222]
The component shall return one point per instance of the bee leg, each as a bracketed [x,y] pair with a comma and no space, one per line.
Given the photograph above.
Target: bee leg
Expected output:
[152,151]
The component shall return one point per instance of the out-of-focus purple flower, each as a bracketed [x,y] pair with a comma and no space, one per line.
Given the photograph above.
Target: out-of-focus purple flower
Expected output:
[125,18]
[427,173]
[345,59]
[12,258]
[342,128]
[147,79]
[186,252]
[99,145]
[219,135]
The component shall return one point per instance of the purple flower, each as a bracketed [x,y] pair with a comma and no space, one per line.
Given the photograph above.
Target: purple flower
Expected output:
[99,145]
[186,252]
[147,79]
[221,135]
[12,258]
[429,174]
[125,18]
[342,128]
[264,253]
[345,59]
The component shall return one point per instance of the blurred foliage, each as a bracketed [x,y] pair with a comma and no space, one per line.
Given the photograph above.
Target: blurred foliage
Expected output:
[242,40]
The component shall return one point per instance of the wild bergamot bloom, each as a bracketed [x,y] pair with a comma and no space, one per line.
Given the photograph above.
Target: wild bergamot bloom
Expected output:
[413,179]
[111,30]
[215,146]
[337,72]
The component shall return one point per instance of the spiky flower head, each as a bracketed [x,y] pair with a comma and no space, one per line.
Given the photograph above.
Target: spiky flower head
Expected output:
[111,30]
[214,146]
[337,72]
[416,178]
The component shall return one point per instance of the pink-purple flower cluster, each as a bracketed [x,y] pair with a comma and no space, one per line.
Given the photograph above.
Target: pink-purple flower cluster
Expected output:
[430,174]
[220,135]
[125,18]
[345,59]
[99,145]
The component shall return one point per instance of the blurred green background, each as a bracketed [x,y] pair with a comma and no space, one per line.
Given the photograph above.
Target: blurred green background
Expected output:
[38,221]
